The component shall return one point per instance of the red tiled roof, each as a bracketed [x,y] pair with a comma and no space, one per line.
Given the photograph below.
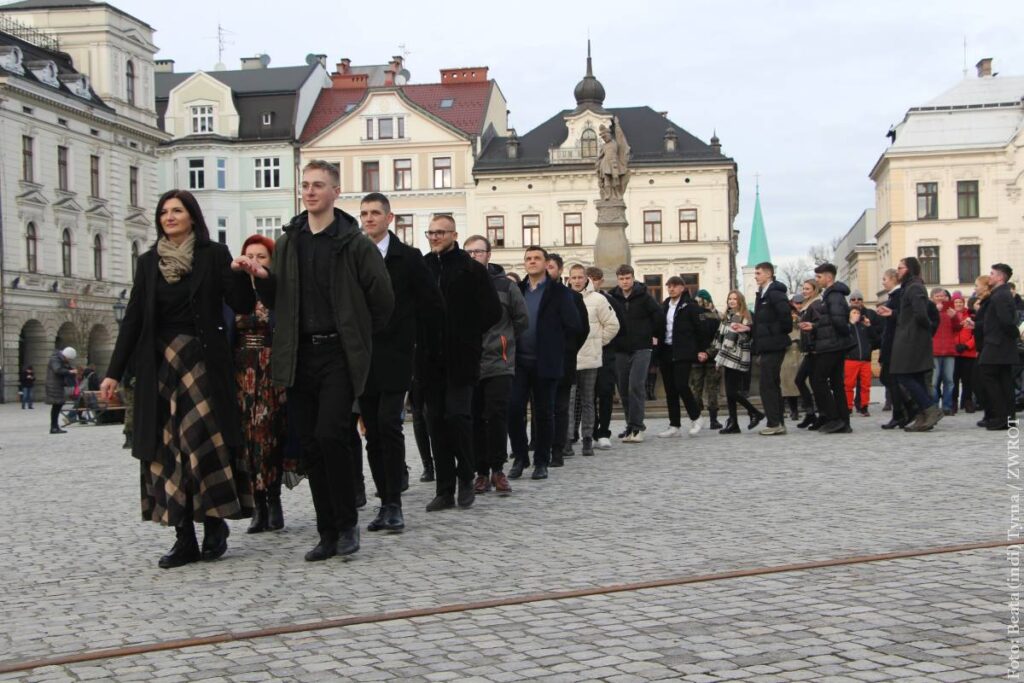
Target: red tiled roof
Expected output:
[469,105]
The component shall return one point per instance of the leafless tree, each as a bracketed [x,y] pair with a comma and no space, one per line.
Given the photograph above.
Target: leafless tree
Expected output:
[824,252]
[792,272]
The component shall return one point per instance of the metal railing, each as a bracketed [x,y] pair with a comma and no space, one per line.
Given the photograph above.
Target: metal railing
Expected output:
[36,37]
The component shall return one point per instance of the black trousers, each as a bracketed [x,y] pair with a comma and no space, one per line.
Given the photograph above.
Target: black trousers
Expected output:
[605,393]
[997,381]
[803,377]
[562,392]
[320,406]
[529,386]
[900,408]
[771,386]
[829,388]
[675,375]
[385,443]
[963,380]
[450,416]
[490,423]
[734,392]
[420,425]
[55,415]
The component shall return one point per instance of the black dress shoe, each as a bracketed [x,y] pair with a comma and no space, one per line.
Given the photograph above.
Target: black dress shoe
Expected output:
[556,460]
[833,427]
[730,427]
[994,426]
[714,423]
[516,470]
[326,548]
[428,475]
[892,424]
[395,521]
[379,522]
[624,433]
[441,503]
[185,549]
[982,423]
[755,420]
[348,541]
[57,430]
[260,522]
[809,419]
[539,472]
[215,538]
[466,494]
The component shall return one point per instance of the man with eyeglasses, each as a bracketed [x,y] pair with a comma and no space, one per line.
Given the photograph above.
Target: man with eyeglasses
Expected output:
[472,307]
[419,315]
[330,292]
[875,325]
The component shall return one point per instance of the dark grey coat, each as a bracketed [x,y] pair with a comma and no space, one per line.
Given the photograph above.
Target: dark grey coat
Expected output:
[57,371]
[912,342]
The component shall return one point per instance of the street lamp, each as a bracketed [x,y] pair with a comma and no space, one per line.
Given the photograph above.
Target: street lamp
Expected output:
[119,309]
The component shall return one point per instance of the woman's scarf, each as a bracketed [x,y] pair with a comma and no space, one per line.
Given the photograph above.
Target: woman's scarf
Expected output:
[175,259]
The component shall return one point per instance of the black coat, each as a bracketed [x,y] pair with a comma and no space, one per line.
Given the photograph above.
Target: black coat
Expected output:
[861,336]
[211,284]
[876,327]
[574,343]
[772,320]
[558,327]
[889,326]
[689,333]
[471,306]
[1000,329]
[418,314]
[912,342]
[644,318]
[832,329]
[618,342]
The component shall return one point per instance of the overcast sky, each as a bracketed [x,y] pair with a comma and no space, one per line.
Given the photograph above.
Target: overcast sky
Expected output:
[800,93]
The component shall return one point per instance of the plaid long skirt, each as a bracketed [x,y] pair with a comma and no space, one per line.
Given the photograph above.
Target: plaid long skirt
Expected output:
[195,475]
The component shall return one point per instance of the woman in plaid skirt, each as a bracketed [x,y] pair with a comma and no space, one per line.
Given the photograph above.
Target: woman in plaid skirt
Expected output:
[187,432]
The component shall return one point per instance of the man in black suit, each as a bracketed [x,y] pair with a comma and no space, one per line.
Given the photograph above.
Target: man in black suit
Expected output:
[770,337]
[999,349]
[419,310]
[472,307]
[560,446]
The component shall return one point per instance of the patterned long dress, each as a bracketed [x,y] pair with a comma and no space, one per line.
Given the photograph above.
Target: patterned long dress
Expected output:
[262,403]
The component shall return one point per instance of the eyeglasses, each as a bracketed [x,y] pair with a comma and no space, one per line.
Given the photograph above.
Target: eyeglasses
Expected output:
[856,299]
[475,252]
[436,234]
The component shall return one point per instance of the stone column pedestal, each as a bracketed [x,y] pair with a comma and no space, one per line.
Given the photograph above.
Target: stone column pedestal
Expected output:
[611,248]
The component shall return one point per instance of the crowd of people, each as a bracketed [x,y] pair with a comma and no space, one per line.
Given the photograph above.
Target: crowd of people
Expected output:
[276,365]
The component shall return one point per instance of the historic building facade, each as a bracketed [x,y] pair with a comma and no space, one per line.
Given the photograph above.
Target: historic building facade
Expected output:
[948,189]
[79,177]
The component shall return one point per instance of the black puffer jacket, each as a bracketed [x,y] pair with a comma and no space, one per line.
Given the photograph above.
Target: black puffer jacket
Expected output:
[772,320]
[644,319]
[832,328]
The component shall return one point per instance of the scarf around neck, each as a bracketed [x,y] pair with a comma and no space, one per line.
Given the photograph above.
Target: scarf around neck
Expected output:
[175,259]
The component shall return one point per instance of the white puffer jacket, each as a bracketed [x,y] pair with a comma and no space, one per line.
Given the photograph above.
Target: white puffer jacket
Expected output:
[604,325]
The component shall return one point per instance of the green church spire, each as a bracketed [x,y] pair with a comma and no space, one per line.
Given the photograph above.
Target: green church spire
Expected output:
[758,238]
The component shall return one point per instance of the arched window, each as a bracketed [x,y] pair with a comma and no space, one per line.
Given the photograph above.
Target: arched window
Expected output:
[135,257]
[588,144]
[129,77]
[65,252]
[97,257]
[32,248]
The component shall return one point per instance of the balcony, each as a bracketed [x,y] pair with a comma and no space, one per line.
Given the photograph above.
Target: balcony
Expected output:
[569,155]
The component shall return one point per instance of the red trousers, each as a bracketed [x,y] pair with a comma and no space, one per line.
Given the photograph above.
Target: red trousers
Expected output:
[858,370]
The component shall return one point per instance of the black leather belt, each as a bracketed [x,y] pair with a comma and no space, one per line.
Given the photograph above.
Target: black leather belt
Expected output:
[318,339]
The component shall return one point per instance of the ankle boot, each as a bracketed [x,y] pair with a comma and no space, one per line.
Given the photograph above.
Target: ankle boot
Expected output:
[275,515]
[185,549]
[215,538]
[713,419]
[809,419]
[259,514]
[730,427]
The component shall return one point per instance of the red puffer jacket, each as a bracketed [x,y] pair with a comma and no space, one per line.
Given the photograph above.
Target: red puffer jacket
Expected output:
[965,337]
[944,339]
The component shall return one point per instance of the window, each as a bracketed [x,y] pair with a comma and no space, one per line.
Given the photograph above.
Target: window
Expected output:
[133,185]
[222,236]
[222,174]
[442,172]
[385,129]
[929,258]
[403,227]
[222,230]
[531,229]
[371,176]
[573,228]
[97,257]
[202,119]
[369,129]
[496,231]
[267,118]
[62,168]
[927,201]
[588,144]
[652,226]
[268,173]
[135,257]
[447,103]
[129,79]
[94,176]
[687,225]
[65,252]
[196,174]
[31,248]
[653,283]
[403,174]
[27,169]
[692,282]
[401,127]
[967,201]
[968,262]
[268,226]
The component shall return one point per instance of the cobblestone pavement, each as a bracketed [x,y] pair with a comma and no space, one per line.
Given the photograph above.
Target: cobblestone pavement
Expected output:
[79,571]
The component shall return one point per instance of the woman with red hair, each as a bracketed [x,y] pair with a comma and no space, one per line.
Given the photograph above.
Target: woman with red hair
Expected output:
[261,403]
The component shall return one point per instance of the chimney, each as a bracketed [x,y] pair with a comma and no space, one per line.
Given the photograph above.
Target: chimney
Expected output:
[472,74]
[394,66]
[257,62]
[512,145]
[343,65]
[164,66]
[984,67]
[671,140]
[322,59]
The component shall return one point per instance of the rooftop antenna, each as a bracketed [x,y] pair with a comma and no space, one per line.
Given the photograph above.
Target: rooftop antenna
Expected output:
[965,55]
[222,43]
[405,51]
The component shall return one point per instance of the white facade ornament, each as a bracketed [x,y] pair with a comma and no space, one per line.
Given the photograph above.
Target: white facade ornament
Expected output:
[46,71]
[10,59]
[77,84]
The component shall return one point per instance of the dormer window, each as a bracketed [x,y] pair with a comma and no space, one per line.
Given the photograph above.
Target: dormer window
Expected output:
[447,103]
[44,70]
[267,118]
[588,144]
[78,84]
[349,107]
[10,59]
[202,118]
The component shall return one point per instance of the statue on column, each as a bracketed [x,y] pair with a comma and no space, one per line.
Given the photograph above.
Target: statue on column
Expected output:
[612,162]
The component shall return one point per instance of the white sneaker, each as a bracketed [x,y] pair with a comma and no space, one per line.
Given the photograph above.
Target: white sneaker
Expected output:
[670,432]
[604,443]
[634,437]
[696,426]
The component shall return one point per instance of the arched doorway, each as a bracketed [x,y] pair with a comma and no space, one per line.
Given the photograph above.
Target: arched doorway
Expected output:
[67,335]
[33,349]
[101,346]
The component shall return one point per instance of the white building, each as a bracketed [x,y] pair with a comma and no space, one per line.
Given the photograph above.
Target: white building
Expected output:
[78,179]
